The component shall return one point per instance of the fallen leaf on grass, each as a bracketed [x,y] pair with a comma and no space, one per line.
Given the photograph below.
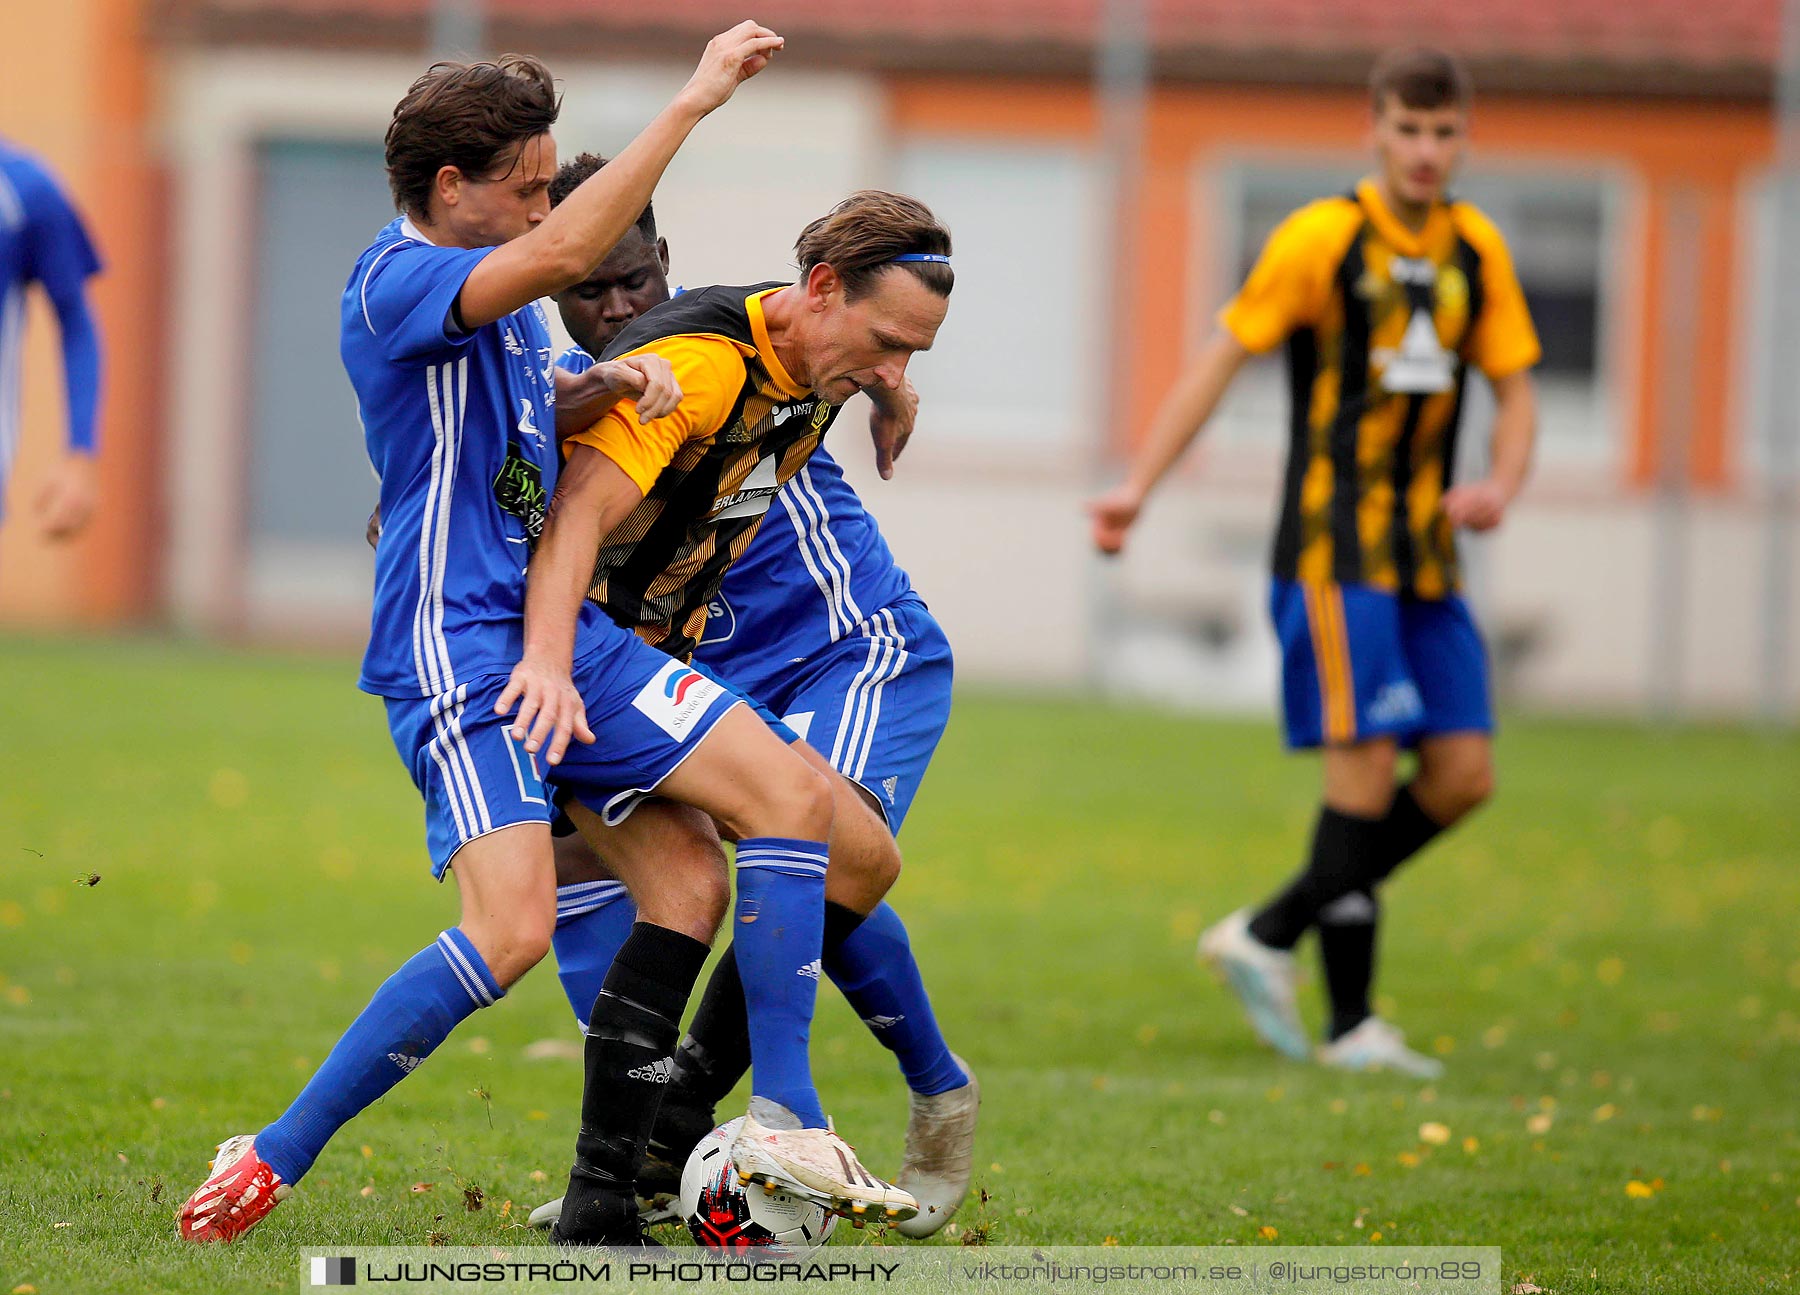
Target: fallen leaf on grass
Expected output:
[1528,1287]
[1471,1145]
[1639,1191]
[472,1198]
[1539,1124]
[1410,1159]
[1434,1134]
[423,1187]
[1605,1112]
[1362,1170]
[368,1191]
[91,879]
[437,1238]
[24,1289]
[539,1176]
[1267,1233]
[61,1225]
[1240,1211]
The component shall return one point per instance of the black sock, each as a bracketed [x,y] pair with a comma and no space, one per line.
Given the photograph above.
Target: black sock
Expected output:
[1347,928]
[716,1052]
[631,1032]
[1344,850]
[1405,831]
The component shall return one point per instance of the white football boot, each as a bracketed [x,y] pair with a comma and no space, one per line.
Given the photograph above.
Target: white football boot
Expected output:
[1377,1045]
[1263,980]
[940,1149]
[814,1164]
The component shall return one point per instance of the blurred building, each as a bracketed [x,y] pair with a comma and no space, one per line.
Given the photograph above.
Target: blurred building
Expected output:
[229,154]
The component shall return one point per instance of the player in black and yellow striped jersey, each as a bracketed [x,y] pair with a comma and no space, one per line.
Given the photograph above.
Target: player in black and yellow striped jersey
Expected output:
[1384,297]
[709,471]
[647,516]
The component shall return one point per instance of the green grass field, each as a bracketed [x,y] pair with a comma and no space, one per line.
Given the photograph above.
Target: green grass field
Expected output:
[208,861]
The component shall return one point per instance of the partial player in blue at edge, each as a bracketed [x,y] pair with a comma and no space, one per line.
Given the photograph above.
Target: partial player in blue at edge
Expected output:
[43,242]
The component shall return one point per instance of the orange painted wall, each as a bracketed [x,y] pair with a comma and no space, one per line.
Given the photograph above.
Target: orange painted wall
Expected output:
[1712,148]
[74,89]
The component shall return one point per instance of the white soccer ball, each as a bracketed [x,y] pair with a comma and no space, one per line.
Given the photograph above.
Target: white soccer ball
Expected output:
[723,1214]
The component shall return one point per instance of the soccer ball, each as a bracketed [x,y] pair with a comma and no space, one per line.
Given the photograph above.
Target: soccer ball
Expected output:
[723,1214]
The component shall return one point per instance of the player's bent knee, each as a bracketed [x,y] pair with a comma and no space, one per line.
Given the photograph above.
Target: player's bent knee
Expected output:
[797,803]
[511,944]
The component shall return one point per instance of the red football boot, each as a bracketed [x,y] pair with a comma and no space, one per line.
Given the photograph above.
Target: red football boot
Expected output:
[240,1193]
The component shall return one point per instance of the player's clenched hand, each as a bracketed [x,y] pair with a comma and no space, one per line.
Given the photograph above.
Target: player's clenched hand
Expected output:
[549,708]
[647,377]
[891,423]
[1113,514]
[1477,506]
[731,58]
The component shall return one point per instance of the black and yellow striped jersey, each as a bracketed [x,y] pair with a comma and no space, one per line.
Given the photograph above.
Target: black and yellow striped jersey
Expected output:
[1380,323]
[709,471]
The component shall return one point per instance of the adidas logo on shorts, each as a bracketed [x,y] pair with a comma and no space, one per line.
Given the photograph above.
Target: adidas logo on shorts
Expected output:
[810,970]
[407,1064]
[660,1071]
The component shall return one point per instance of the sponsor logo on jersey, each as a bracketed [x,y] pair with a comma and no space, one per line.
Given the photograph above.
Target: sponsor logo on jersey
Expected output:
[407,1064]
[676,698]
[882,1022]
[753,497]
[660,1071]
[519,490]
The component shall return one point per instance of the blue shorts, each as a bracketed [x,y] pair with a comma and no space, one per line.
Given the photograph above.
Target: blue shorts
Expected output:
[1360,663]
[648,712]
[874,703]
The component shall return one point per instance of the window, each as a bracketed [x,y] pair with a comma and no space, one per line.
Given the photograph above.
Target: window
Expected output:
[1022,327]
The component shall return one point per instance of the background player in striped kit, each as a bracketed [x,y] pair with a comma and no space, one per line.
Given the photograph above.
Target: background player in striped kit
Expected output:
[43,241]
[1383,296]
[817,618]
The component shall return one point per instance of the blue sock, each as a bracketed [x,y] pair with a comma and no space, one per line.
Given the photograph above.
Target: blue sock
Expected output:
[874,968]
[779,928]
[414,1010]
[593,918]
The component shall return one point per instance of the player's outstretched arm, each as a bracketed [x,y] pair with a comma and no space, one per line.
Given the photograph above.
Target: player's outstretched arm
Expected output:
[1184,411]
[593,495]
[582,228]
[1481,505]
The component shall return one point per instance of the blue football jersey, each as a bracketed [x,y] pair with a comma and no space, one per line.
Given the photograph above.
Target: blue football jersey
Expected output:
[461,429]
[42,241]
[816,569]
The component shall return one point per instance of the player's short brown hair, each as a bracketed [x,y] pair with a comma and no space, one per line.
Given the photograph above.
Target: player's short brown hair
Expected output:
[1420,77]
[861,236]
[466,115]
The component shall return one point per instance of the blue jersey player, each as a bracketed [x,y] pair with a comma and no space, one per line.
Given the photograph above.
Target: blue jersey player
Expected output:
[818,623]
[42,241]
[451,361]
